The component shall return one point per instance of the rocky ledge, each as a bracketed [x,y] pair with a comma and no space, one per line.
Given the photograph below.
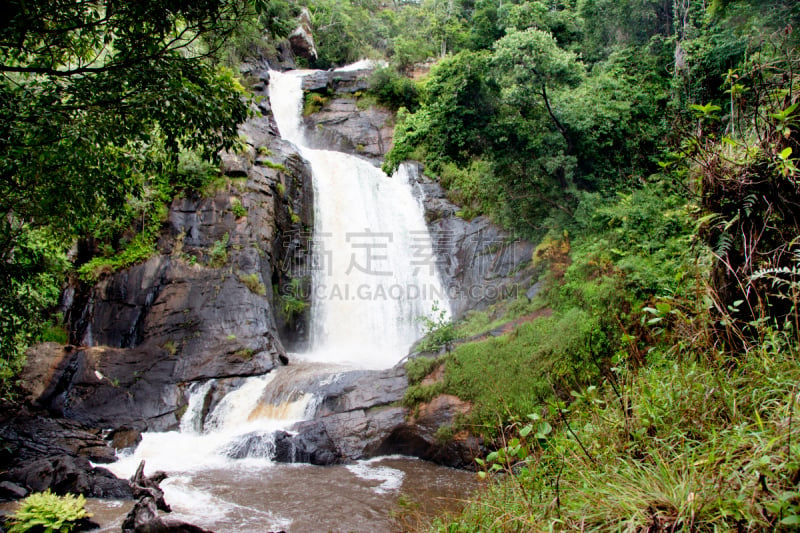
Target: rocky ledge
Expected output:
[361,416]
[342,123]
[40,451]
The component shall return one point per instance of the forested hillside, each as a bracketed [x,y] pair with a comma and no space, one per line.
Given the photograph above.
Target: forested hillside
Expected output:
[649,147]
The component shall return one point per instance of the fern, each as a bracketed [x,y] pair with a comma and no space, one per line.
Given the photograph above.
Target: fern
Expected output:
[724,244]
[49,512]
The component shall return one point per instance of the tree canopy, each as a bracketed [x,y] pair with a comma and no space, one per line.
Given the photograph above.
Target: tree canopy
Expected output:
[97,99]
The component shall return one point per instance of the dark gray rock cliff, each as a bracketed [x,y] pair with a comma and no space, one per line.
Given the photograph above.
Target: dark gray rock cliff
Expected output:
[479,262]
[342,123]
[205,305]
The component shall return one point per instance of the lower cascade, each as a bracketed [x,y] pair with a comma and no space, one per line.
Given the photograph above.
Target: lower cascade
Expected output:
[373,276]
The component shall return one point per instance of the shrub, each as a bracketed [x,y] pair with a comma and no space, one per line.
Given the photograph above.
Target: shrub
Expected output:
[219,252]
[439,331]
[393,90]
[238,209]
[314,102]
[49,512]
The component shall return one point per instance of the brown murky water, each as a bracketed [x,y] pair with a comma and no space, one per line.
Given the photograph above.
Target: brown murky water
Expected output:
[251,497]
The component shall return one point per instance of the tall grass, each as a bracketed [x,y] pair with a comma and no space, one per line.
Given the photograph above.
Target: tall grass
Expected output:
[689,443]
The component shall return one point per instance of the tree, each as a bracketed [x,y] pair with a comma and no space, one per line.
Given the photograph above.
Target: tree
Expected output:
[530,62]
[454,122]
[97,98]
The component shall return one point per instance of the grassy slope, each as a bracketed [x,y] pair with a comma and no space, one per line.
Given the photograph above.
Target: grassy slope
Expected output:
[691,442]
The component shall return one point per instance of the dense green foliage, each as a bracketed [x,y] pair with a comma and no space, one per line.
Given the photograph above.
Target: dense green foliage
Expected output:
[45,511]
[685,444]
[107,110]
[652,148]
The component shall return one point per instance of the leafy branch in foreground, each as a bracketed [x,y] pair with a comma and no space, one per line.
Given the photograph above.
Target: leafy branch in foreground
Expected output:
[97,100]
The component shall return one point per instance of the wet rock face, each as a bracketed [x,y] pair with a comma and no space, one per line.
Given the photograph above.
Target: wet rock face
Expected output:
[480,263]
[338,81]
[360,417]
[204,307]
[341,124]
[41,452]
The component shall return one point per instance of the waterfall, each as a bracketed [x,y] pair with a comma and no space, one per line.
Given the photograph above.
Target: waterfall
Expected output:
[192,419]
[374,276]
[374,271]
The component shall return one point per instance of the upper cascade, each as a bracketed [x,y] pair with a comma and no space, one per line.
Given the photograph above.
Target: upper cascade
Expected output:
[374,270]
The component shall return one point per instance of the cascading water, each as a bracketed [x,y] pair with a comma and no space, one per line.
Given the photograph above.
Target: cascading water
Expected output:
[375,272]
[374,276]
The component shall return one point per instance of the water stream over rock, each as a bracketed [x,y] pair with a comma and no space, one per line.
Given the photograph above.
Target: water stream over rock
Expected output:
[373,276]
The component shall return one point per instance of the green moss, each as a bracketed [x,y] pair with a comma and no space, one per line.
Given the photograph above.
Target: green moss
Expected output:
[419,367]
[277,166]
[418,394]
[254,283]
[512,375]
[245,353]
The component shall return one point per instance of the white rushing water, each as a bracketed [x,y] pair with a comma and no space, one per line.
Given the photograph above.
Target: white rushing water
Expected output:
[375,272]
[374,276]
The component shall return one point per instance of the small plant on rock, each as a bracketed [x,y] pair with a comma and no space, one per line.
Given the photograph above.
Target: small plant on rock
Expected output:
[238,209]
[219,252]
[253,282]
[45,511]
[439,331]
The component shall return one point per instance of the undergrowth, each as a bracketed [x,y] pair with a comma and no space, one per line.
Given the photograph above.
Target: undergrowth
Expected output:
[692,442]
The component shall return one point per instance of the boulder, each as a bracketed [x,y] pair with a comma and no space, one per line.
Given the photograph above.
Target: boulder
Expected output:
[12,491]
[359,418]
[302,39]
[341,125]
[28,435]
[70,474]
[339,82]
[419,436]
[313,446]
[124,438]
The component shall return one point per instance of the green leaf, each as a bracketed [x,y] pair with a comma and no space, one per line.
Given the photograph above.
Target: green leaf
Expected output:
[544,430]
[793,520]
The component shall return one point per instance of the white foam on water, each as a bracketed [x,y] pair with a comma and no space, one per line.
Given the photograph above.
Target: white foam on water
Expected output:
[391,479]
